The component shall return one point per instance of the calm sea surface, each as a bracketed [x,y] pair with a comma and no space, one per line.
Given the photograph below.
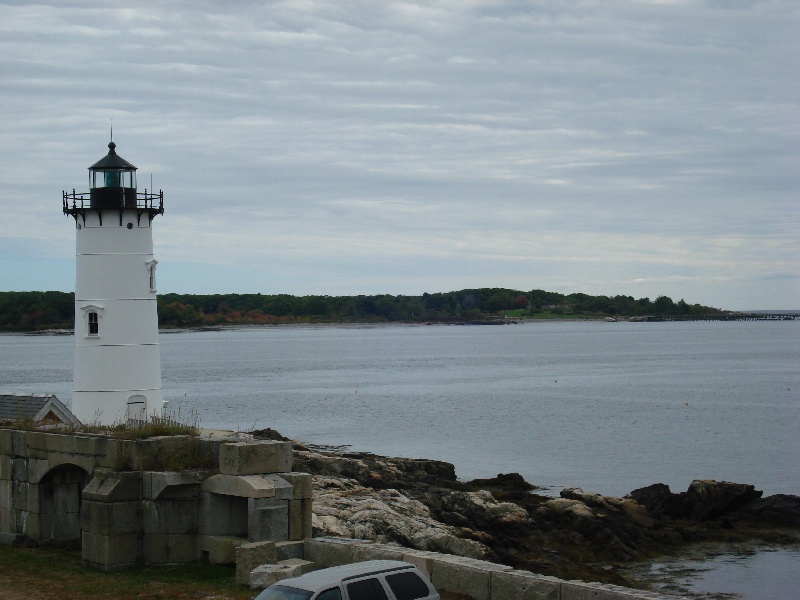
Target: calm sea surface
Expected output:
[608,407]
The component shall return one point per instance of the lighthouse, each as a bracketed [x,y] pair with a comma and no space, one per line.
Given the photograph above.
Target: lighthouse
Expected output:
[117,372]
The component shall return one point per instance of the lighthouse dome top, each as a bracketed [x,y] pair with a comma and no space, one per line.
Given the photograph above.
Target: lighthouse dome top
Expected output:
[112,185]
[112,161]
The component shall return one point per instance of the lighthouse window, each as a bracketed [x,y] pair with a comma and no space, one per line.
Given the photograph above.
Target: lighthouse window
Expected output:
[104,179]
[112,179]
[94,327]
[151,269]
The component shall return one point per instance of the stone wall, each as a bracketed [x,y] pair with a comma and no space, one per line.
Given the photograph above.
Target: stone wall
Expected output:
[472,578]
[113,499]
[246,507]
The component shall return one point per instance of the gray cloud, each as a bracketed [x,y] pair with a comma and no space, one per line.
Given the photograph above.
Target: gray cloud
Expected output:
[631,147]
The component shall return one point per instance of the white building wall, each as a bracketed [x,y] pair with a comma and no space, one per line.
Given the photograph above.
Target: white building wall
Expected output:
[122,363]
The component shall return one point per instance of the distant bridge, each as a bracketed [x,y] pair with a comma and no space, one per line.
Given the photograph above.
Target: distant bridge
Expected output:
[736,316]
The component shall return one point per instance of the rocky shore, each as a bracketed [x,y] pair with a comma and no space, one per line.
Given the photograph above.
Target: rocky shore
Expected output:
[421,504]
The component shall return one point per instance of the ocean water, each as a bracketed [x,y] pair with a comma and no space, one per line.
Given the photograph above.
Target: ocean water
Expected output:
[608,407]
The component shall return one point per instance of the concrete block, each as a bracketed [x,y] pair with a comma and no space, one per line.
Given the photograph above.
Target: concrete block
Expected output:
[246,486]
[33,526]
[251,555]
[222,515]
[289,549]
[579,590]
[19,495]
[122,550]
[34,503]
[62,444]
[111,518]
[169,548]
[264,576]
[270,523]
[301,482]
[114,487]
[5,493]
[37,469]
[171,516]
[92,516]
[171,484]
[120,455]
[87,445]
[296,520]
[464,575]
[37,440]
[306,566]
[21,524]
[330,551]
[219,550]
[256,503]
[112,552]
[283,489]
[252,458]
[422,559]
[37,453]
[87,546]
[300,519]
[19,469]
[5,467]
[158,453]
[19,443]
[6,445]
[524,585]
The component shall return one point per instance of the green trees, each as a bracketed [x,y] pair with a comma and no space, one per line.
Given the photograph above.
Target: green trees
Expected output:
[34,311]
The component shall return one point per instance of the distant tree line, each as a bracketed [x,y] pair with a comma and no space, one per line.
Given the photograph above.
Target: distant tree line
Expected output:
[35,311]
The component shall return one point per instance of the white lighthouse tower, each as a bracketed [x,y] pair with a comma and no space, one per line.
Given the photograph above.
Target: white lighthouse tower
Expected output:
[117,375]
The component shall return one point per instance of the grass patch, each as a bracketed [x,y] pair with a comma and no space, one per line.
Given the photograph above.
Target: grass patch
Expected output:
[48,573]
[153,426]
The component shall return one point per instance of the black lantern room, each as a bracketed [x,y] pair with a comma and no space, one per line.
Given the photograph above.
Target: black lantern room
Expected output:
[112,185]
[112,180]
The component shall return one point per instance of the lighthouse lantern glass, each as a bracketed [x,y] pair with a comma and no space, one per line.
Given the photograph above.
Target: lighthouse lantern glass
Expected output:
[113,178]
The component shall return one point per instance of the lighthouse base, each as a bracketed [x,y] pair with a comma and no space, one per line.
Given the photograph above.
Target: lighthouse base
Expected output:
[116,407]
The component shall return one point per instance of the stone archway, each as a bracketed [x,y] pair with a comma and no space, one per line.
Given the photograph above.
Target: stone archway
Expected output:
[60,503]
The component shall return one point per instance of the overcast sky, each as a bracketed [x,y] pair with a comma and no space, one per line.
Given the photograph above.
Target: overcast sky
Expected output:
[629,147]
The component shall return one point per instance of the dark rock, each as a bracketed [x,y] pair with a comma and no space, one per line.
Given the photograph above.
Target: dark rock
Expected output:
[705,500]
[269,434]
[505,481]
[658,498]
[420,503]
[782,509]
[712,499]
[380,472]
[506,486]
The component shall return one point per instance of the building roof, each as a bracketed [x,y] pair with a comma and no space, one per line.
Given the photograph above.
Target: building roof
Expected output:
[34,407]
[112,161]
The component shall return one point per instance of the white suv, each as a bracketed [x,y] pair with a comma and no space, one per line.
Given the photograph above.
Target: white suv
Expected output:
[371,580]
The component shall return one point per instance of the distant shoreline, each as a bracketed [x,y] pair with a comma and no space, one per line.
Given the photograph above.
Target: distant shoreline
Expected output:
[766,316]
